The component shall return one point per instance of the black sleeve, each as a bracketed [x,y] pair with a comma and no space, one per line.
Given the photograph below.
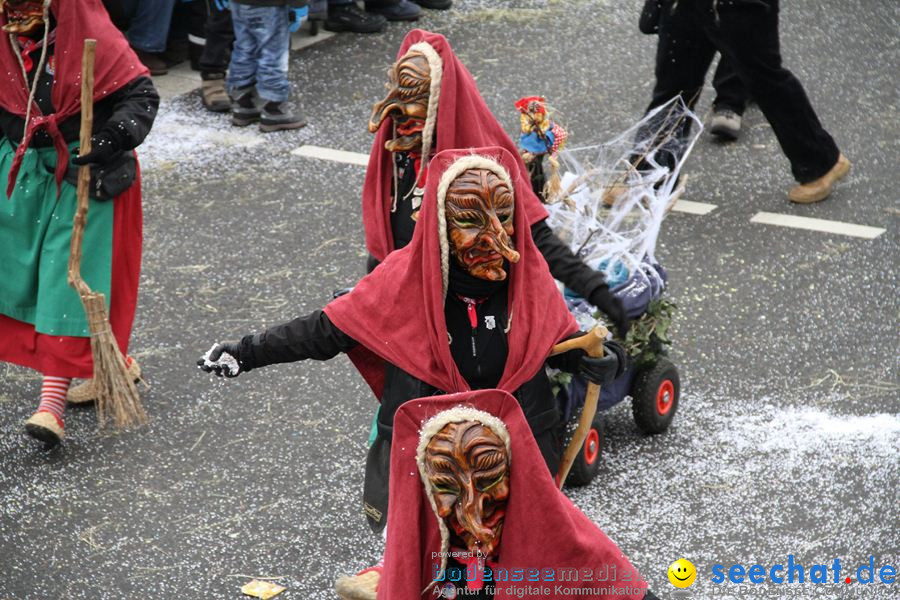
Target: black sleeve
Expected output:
[134,109]
[313,336]
[565,266]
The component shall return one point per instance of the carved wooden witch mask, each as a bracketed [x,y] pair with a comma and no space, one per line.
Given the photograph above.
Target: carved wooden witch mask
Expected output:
[479,208]
[406,102]
[467,466]
[23,17]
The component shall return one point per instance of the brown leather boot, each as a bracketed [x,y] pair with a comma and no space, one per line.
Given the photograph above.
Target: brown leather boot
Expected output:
[215,98]
[821,188]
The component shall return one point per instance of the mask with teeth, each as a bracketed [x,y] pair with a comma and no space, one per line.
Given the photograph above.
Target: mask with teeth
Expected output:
[467,466]
[406,102]
[23,17]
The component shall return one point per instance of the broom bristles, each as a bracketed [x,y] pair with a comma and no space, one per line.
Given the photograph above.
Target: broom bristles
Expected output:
[118,401]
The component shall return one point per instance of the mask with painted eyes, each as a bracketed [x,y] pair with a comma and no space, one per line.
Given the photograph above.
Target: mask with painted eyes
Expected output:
[406,102]
[479,206]
[467,467]
[23,17]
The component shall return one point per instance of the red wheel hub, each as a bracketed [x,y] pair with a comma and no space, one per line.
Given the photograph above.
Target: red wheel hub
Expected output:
[591,447]
[665,397]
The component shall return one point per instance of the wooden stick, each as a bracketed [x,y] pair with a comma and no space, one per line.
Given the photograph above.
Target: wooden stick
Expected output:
[117,396]
[592,344]
[84,171]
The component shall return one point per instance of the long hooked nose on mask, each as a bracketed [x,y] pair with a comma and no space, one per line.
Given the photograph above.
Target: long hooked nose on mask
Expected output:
[406,103]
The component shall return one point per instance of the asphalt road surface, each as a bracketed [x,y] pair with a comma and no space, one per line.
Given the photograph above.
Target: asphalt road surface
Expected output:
[787,440]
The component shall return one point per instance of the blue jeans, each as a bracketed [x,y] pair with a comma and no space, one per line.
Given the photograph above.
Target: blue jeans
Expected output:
[150,20]
[260,54]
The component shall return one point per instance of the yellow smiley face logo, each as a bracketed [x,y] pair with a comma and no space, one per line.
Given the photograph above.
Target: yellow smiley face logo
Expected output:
[682,573]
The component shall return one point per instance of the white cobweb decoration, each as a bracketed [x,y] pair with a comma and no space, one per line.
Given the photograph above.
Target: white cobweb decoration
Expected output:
[640,169]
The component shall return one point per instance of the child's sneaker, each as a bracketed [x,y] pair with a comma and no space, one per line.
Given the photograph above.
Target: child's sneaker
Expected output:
[277,116]
[243,107]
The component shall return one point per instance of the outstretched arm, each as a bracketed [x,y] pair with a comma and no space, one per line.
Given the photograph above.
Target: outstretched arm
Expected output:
[313,336]
[577,276]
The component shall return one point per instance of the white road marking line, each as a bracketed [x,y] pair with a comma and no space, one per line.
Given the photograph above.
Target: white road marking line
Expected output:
[351,158]
[693,208]
[861,231]
[357,158]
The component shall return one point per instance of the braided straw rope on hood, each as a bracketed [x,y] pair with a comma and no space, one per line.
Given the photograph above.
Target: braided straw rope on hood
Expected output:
[436,65]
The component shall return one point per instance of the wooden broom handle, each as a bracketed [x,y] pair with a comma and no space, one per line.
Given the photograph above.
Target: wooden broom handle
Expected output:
[84,171]
[592,344]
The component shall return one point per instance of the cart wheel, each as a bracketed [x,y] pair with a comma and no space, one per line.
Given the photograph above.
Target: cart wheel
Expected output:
[587,462]
[654,396]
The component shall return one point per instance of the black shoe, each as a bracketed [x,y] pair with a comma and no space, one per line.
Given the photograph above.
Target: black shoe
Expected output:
[398,11]
[277,116]
[176,52]
[435,4]
[154,63]
[244,110]
[349,17]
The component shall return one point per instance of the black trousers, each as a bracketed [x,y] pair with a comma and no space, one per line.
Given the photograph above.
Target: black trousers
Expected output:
[730,91]
[745,32]
[219,34]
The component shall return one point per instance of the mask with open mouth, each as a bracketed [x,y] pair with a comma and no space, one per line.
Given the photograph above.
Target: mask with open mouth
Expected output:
[23,17]
[480,207]
[467,466]
[406,102]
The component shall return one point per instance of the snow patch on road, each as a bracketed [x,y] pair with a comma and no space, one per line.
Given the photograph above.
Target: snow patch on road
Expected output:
[799,430]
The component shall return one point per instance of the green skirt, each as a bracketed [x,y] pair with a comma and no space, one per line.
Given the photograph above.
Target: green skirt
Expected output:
[35,230]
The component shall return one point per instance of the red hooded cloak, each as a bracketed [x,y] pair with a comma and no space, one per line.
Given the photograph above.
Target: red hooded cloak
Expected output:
[396,313]
[463,120]
[115,65]
[543,532]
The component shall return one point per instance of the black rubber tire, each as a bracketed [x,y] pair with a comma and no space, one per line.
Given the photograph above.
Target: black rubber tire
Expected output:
[582,472]
[648,385]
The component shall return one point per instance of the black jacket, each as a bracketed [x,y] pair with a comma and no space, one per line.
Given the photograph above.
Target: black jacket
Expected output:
[315,336]
[124,116]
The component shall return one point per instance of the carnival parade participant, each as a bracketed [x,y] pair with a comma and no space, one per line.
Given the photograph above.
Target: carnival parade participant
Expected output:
[468,304]
[42,321]
[433,104]
[745,32]
[476,523]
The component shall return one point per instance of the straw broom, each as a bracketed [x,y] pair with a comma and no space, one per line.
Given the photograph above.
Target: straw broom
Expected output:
[117,395]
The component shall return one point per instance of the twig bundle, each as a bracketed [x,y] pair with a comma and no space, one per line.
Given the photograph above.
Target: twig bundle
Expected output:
[117,396]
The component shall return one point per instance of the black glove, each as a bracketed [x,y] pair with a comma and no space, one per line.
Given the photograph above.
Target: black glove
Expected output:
[223,359]
[103,149]
[603,370]
[611,307]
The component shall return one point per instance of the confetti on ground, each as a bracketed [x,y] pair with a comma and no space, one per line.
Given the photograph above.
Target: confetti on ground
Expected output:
[262,589]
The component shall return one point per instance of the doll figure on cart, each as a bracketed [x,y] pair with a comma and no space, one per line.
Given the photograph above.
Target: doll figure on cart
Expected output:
[540,137]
